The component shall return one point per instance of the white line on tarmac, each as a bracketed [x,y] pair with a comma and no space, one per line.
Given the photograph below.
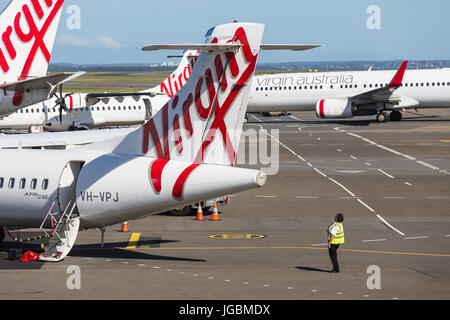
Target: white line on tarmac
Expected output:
[407,183]
[368,164]
[319,244]
[393,197]
[323,174]
[387,174]
[365,205]
[437,197]
[389,225]
[265,196]
[412,238]
[374,240]
[353,157]
[348,191]
[311,197]
[396,152]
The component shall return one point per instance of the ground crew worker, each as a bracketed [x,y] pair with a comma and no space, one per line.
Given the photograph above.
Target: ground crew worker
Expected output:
[335,238]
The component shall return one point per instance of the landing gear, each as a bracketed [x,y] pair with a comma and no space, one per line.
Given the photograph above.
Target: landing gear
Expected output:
[395,116]
[382,117]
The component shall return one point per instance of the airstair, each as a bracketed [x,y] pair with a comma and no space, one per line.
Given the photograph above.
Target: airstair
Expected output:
[63,234]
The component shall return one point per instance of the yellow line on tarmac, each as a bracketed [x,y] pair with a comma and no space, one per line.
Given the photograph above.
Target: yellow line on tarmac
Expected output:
[134,238]
[294,247]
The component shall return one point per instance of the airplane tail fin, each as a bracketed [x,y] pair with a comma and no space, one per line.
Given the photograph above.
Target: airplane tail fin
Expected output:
[174,82]
[202,123]
[30,28]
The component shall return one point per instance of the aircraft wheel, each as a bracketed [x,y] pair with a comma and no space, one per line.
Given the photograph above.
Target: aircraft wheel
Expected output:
[382,117]
[395,116]
[2,233]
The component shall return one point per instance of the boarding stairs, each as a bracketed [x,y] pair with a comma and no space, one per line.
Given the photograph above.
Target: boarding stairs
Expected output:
[63,234]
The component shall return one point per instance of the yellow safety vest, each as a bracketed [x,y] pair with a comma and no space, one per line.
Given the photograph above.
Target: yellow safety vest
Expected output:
[339,237]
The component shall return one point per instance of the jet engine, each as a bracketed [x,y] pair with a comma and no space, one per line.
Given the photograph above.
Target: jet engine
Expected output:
[335,108]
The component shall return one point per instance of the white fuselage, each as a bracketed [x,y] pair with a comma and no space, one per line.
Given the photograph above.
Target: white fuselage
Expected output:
[107,112]
[301,91]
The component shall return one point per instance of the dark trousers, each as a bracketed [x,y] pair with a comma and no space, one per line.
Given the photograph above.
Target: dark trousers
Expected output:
[333,256]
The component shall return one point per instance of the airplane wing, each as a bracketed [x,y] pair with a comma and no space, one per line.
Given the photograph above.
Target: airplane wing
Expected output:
[383,94]
[59,139]
[293,47]
[122,94]
[193,46]
[228,47]
[46,82]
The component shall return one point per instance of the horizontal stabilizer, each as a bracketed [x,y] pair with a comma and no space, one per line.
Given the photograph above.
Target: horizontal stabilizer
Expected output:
[293,47]
[41,82]
[200,46]
[122,94]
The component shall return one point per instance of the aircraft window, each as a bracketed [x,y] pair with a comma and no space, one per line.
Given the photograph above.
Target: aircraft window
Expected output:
[433,84]
[134,107]
[321,87]
[129,108]
[269,89]
[109,108]
[356,86]
[22,183]
[103,108]
[118,108]
[448,83]
[376,85]
[21,111]
[26,110]
[439,84]
[98,108]
[266,88]
[139,107]
[289,88]
[417,84]
[421,84]
[45,184]
[300,88]
[315,87]
[428,84]
[406,84]
[310,87]
[2,181]
[285,88]
[33,184]
[12,181]
[114,108]
[295,87]
[342,86]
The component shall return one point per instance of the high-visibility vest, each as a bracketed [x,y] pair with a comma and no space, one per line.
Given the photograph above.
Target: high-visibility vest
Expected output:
[339,237]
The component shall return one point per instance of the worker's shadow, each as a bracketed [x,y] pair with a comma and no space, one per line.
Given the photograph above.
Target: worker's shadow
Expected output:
[312,269]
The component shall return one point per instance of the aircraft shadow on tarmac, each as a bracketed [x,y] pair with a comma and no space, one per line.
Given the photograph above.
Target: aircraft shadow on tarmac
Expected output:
[312,269]
[119,250]
[112,250]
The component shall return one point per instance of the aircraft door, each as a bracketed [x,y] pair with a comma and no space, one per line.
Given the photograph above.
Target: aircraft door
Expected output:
[148,109]
[67,184]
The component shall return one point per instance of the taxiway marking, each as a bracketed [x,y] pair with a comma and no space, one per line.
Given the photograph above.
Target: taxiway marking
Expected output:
[134,239]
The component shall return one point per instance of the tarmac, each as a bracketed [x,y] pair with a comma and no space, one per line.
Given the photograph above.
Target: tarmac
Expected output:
[390,180]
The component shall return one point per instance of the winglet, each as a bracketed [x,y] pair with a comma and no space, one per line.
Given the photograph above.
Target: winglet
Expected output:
[398,78]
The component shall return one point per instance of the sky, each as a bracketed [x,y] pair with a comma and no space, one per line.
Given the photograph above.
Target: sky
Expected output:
[114,31]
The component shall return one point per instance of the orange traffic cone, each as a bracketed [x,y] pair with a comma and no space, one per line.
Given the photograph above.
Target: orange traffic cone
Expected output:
[199,212]
[125,227]
[215,215]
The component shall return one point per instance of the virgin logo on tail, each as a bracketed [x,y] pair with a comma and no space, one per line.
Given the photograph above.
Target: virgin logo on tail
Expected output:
[175,81]
[31,33]
[213,111]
